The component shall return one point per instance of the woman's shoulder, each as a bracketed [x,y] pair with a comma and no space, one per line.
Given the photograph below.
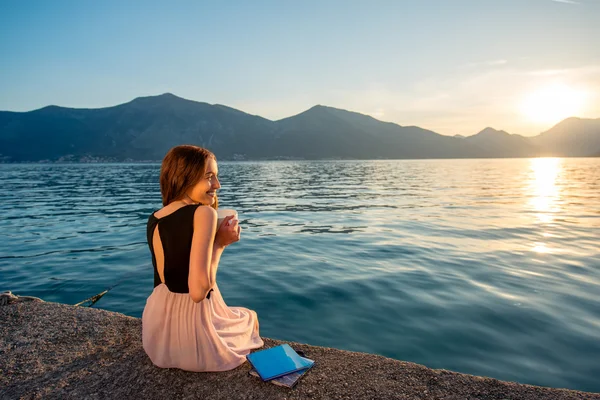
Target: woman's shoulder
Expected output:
[205,218]
[205,212]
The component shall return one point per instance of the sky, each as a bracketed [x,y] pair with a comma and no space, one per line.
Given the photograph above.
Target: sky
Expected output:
[452,66]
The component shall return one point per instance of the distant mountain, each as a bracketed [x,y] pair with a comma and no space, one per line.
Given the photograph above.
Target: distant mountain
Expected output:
[572,137]
[145,128]
[501,144]
[323,132]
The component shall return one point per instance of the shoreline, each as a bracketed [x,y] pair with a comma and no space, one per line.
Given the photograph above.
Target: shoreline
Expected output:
[52,350]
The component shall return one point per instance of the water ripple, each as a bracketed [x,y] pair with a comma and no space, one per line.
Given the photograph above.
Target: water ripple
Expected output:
[488,267]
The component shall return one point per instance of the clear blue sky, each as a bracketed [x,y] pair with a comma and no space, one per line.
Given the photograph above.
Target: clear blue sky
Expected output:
[453,66]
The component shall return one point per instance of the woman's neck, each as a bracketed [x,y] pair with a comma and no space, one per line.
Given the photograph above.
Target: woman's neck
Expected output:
[187,200]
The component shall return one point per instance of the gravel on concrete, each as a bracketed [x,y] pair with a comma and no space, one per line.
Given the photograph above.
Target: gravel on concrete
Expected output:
[57,351]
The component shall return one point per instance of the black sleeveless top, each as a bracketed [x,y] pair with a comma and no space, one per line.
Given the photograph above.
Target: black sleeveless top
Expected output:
[175,231]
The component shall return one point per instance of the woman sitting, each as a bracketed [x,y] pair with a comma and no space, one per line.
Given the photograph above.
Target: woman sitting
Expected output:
[185,323]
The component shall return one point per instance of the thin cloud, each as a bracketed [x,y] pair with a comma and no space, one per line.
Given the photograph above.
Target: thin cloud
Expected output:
[588,71]
[490,63]
[549,72]
[566,1]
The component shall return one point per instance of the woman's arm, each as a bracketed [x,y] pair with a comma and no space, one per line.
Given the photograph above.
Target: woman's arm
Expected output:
[216,257]
[201,275]
[229,233]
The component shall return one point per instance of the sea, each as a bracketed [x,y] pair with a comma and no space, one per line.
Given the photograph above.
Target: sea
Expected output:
[488,267]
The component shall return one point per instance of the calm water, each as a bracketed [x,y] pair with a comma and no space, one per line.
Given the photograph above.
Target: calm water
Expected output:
[488,267]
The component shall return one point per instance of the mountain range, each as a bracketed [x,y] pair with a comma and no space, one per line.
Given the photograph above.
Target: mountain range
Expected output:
[146,127]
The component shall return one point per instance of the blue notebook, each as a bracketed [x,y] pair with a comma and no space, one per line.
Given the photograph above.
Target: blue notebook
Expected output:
[289,380]
[277,361]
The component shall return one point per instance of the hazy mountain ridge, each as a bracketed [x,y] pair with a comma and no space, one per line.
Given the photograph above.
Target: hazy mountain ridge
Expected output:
[571,137]
[146,127]
[502,144]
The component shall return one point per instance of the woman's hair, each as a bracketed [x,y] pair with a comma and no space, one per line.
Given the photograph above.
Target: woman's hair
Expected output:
[182,168]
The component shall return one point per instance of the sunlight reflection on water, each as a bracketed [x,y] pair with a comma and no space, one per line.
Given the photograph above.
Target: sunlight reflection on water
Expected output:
[478,266]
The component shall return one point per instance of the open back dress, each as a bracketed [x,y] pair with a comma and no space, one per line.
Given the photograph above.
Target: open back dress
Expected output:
[176,331]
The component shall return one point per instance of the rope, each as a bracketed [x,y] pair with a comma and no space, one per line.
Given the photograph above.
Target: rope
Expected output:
[8,297]
[94,299]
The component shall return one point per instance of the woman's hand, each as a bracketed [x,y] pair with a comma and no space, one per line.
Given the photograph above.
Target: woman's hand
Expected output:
[228,233]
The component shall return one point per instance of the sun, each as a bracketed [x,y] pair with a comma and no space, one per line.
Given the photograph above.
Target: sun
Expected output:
[553,103]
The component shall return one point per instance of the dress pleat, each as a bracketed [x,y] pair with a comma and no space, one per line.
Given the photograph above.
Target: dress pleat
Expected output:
[204,336]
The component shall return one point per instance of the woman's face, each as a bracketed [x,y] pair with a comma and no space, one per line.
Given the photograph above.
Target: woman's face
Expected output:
[205,191]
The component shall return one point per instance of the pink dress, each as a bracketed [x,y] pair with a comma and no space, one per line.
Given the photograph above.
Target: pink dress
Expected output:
[179,333]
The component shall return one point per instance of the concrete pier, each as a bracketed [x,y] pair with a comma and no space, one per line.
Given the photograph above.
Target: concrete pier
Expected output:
[58,351]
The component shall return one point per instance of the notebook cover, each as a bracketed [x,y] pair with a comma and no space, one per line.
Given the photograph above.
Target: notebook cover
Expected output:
[288,380]
[277,361]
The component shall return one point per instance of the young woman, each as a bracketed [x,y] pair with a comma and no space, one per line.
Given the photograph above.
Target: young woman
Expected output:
[185,323]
